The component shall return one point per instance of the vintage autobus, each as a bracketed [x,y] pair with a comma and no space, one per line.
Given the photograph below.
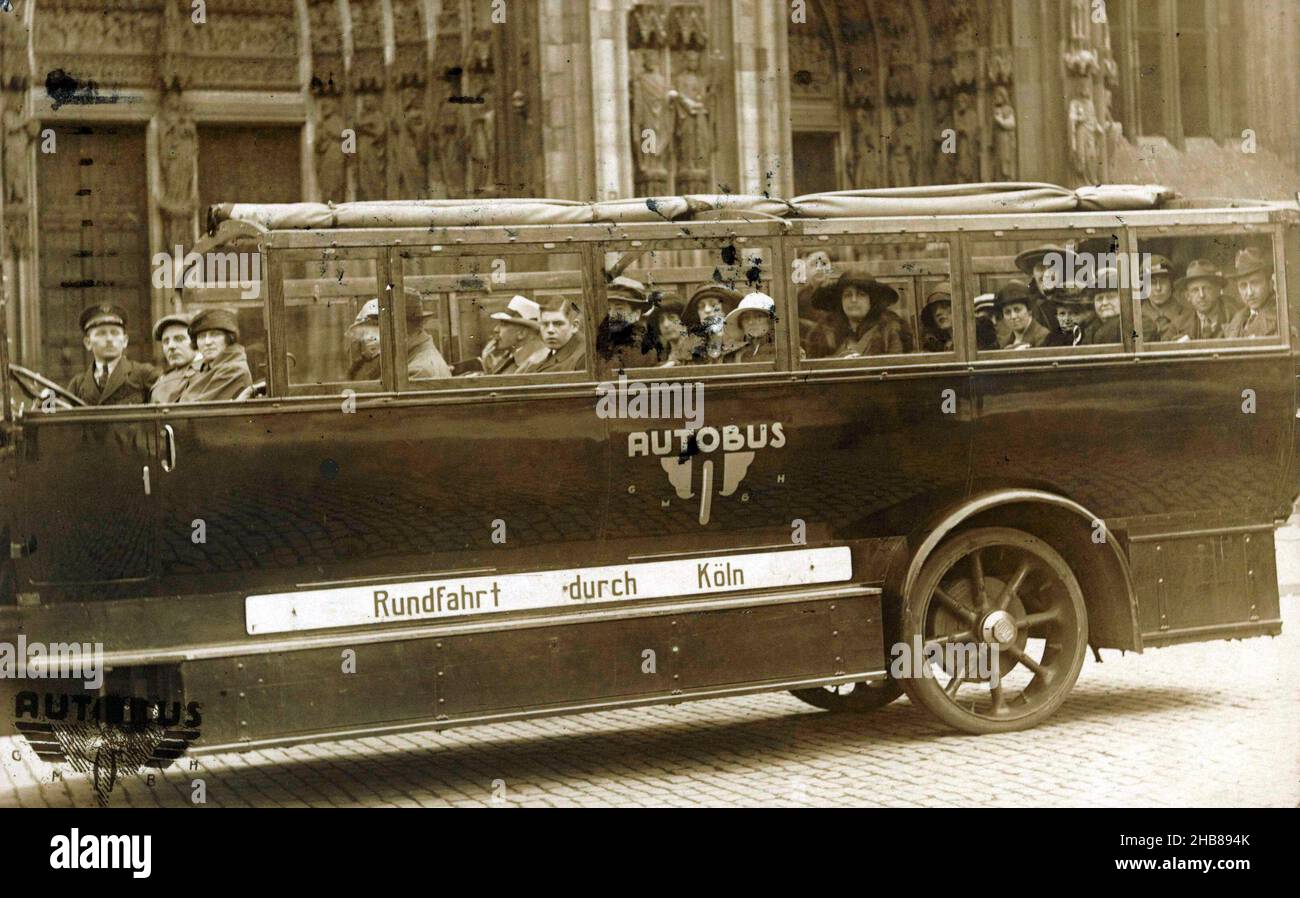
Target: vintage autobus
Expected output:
[344,551]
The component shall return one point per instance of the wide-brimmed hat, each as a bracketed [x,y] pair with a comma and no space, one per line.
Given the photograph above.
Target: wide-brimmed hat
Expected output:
[1013,292]
[665,304]
[727,297]
[102,313]
[1249,261]
[754,302]
[414,309]
[628,290]
[828,300]
[215,320]
[522,311]
[1026,260]
[1200,270]
[167,321]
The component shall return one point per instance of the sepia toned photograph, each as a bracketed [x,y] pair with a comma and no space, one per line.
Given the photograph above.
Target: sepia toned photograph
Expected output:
[651,404]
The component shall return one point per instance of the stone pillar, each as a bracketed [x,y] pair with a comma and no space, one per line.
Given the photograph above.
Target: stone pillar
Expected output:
[567,120]
[762,99]
[609,87]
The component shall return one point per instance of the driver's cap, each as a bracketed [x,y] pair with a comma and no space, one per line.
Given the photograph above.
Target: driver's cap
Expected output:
[103,313]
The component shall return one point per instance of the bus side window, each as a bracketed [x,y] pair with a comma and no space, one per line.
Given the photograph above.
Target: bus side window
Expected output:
[670,307]
[1203,288]
[862,301]
[331,309]
[1039,293]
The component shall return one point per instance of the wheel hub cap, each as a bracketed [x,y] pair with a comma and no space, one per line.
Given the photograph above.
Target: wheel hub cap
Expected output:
[999,627]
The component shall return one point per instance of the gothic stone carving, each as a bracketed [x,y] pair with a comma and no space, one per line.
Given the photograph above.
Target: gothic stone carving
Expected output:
[651,128]
[693,137]
[178,148]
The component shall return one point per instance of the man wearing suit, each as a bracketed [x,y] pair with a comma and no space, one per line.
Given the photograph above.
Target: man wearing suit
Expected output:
[1014,300]
[1253,280]
[112,378]
[562,334]
[1202,285]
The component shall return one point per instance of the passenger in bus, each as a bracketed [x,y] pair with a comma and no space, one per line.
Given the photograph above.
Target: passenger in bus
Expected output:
[814,335]
[1253,281]
[224,372]
[674,344]
[1169,318]
[1041,265]
[112,378]
[180,355]
[860,318]
[755,319]
[1207,315]
[423,360]
[518,338]
[705,318]
[1014,301]
[936,320]
[988,322]
[561,324]
[1071,305]
[1106,302]
[621,338]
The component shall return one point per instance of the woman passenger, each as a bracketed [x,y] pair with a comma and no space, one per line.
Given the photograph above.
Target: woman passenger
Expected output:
[672,341]
[754,319]
[705,319]
[936,320]
[860,318]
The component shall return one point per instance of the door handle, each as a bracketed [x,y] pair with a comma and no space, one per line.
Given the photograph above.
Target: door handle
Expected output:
[145,474]
[169,439]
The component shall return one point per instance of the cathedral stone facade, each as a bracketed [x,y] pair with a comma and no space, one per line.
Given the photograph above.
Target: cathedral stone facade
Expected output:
[124,119]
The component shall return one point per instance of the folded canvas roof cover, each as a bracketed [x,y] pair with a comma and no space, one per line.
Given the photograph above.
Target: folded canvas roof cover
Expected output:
[944,199]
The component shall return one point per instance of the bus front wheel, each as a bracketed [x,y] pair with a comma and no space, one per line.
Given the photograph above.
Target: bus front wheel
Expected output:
[999,621]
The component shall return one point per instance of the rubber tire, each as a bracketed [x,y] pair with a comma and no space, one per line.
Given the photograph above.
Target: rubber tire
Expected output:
[866,696]
[940,561]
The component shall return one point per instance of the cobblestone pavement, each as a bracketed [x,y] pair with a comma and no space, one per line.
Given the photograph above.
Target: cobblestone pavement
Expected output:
[1210,724]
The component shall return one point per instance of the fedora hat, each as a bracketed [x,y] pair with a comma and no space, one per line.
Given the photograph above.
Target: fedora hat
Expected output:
[1026,260]
[522,311]
[728,298]
[167,321]
[1200,270]
[1250,261]
[880,294]
[754,302]
[626,289]
[102,313]
[1013,292]
[215,319]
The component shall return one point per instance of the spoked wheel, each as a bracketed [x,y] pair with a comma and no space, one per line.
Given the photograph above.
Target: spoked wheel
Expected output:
[1000,619]
[852,697]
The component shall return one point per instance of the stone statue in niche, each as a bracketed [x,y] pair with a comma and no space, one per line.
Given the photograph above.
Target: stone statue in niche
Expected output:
[372,136]
[482,139]
[651,131]
[966,124]
[178,148]
[1004,136]
[411,141]
[330,178]
[902,148]
[1085,134]
[863,149]
[694,132]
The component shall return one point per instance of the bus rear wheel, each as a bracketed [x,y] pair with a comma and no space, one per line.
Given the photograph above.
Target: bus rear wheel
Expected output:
[851,697]
[1000,624]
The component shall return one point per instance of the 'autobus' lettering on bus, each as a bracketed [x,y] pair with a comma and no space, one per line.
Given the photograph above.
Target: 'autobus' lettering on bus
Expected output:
[729,438]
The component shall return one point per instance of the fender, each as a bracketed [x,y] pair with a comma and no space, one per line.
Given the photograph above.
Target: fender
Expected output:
[927,537]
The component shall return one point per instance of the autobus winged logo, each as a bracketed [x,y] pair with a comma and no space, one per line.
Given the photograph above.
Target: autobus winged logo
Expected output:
[678,451]
[108,750]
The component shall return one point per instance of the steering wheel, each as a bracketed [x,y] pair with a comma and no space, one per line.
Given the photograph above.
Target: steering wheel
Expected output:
[38,387]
